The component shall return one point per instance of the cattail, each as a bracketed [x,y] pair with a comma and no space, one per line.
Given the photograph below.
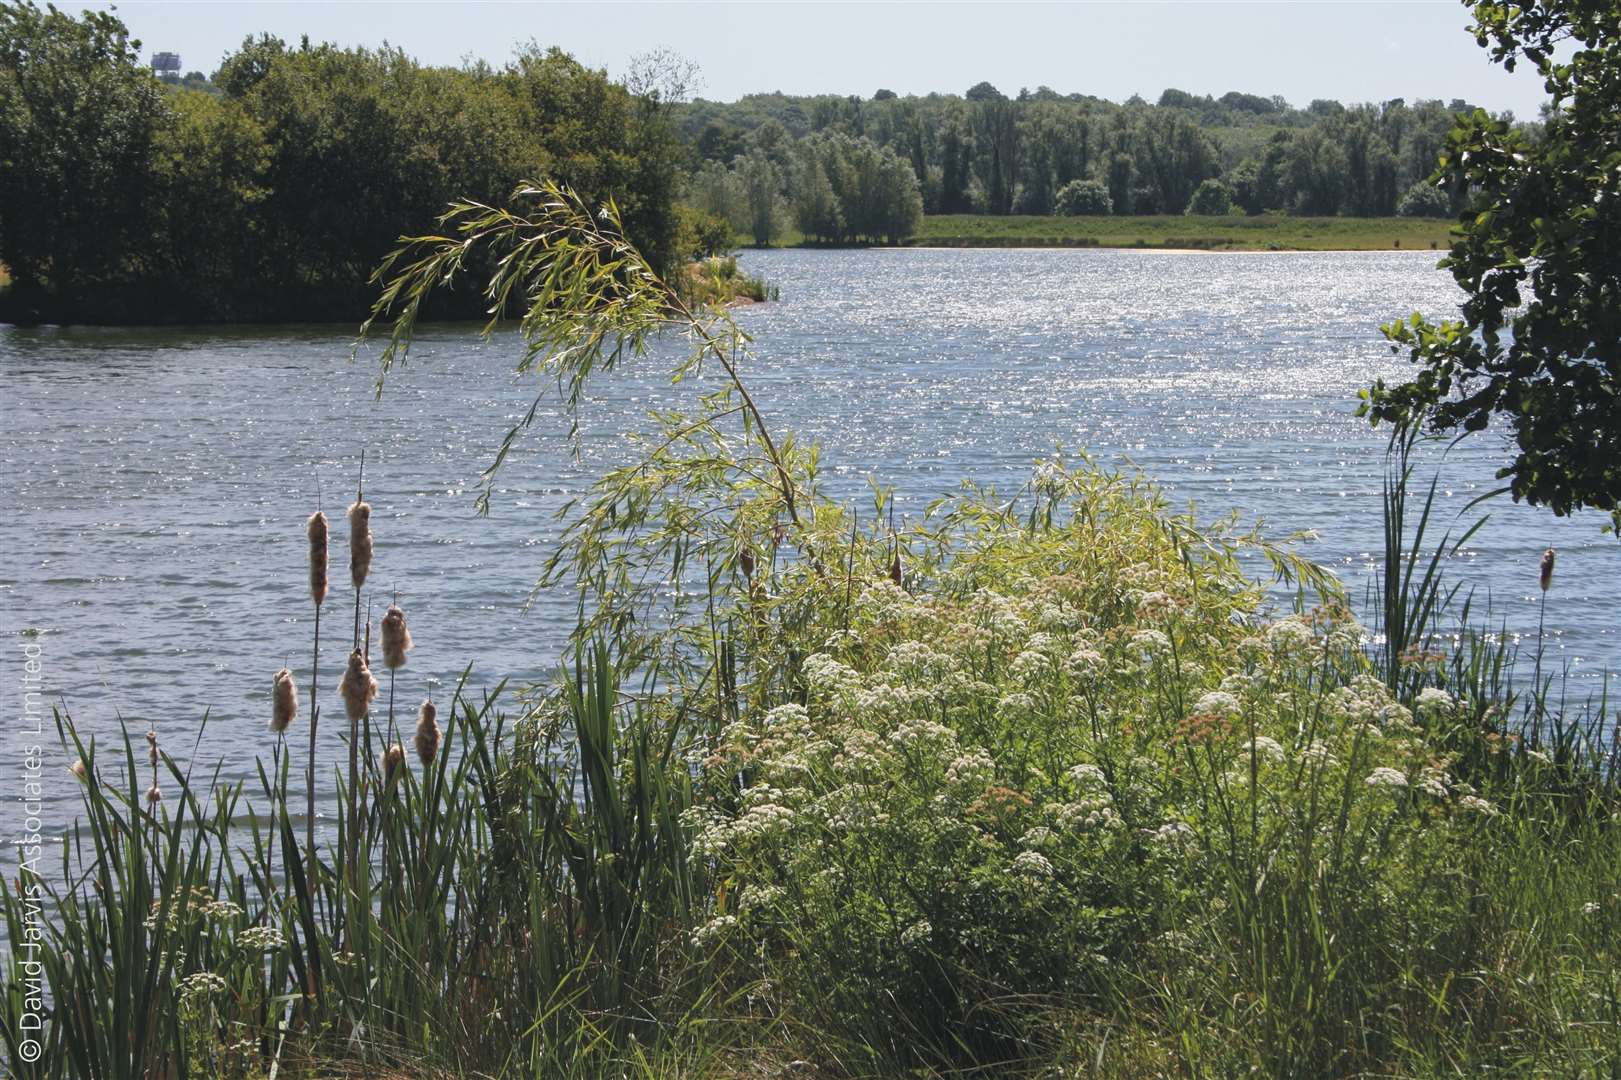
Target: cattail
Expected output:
[746,561]
[318,533]
[152,747]
[396,637]
[358,686]
[392,759]
[283,701]
[1547,569]
[359,542]
[895,574]
[427,737]
[153,795]
[79,770]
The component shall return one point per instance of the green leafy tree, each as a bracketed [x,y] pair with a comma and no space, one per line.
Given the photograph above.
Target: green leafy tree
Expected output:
[1424,200]
[79,116]
[700,234]
[816,207]
[762,183]
[1084,198]
[1212,198]
[1538,255]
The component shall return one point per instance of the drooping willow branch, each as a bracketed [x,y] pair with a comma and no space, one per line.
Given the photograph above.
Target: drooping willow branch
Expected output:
[584,296]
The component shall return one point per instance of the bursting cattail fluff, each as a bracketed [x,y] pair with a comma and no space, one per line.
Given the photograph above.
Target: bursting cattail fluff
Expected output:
[79,770]
[396,637]
[152,748]
[318,535]
[393,758]
[358,687]
[1547,569]
[359,542]
[283,701]
[154,795]
[427,737]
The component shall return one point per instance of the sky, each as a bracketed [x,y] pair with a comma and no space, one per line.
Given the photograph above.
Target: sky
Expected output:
[1351,50]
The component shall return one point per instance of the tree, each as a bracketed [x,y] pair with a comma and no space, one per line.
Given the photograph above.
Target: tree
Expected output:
[1080,198]
[1538,347]
[816,208]
[79,115]
[1424,199]
[762,186]
[1211,198]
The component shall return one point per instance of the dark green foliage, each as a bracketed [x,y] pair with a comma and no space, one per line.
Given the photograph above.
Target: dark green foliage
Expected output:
[1212,199]
[80,118]
[700,234]
[986,152]
[1084,198]
[272,193]
[1424,199]
[1538,346]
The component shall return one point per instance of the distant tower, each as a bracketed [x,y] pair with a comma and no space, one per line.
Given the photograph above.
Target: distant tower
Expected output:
[165,62]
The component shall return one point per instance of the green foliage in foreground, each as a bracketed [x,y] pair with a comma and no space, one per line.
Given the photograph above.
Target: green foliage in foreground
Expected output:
[1034,783]
[1270,232]
[1538,256]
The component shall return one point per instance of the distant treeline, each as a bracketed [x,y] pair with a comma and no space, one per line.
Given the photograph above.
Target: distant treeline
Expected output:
[1042,153]
[273,190]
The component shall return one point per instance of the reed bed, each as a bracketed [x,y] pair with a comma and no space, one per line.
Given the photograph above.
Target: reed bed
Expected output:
[1036,785]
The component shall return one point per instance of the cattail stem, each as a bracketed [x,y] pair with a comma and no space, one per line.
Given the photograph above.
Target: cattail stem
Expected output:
[309,771]
[1544,580]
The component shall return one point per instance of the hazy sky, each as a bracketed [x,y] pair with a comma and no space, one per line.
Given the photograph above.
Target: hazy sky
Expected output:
[1353,51]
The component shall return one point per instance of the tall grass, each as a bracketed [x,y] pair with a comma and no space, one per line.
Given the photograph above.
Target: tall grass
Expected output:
[1038,784]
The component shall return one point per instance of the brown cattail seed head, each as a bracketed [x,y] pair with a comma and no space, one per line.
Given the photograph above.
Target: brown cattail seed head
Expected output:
[895,574]
[318,534]
[79,769]
[359,542]
[153,795]
[1547,569]
[396,637]
[393,758]
[427,737]
[283,701]
[152,746]
[746,561]
[358,686]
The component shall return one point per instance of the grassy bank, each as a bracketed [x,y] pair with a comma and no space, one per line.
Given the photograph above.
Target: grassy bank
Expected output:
[1037,785]
[1264,233]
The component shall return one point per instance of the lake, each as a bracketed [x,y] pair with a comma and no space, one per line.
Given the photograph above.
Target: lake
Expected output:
[156,481]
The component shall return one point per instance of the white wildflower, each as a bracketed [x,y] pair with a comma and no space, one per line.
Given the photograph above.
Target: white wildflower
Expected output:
[1151,642]
[1290,635]
[713,930]
[1432,782]
[917,934]
[1174,834]
[1386,777]
[260,939]
[1032,864]
[1432,700]
[1087,775]
[1263,746]
[1219,702]
[201,984]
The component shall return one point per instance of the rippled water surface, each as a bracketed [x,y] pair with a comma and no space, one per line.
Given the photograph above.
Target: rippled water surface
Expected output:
[156,481]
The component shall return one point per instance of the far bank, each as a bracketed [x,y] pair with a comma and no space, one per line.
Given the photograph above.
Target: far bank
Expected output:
[1267,232]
